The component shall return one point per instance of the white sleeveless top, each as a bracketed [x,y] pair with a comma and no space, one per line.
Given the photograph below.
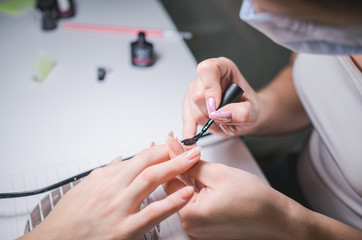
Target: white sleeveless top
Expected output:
[330,169]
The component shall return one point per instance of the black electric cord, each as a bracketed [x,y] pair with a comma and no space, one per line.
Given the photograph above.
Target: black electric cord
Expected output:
[53,186]
[58,184]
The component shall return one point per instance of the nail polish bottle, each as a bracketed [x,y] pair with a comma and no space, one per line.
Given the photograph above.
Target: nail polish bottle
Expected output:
[66,8]
[49,13]
[142,52]
[101,73]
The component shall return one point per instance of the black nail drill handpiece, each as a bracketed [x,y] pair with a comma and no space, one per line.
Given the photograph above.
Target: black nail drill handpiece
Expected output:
[232,93]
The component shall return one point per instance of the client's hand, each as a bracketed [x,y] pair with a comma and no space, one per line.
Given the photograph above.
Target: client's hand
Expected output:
[106,205]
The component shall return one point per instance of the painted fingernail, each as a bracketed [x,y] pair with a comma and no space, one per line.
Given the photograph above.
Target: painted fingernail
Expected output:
[193,153]
[211,105]
[229,130]
[221,115]
[186,192]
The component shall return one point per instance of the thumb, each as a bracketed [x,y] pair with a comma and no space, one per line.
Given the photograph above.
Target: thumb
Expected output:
[235,114]
[173,186]
[205,172]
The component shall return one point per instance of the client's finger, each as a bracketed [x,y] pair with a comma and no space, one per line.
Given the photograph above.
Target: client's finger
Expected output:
[174,147]
[142,160]
[116,160]
[173,185]
[153,176]
[160,210]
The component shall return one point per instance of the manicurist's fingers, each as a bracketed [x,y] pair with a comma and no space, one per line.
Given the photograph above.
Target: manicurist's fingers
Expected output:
[209,73]
[240,113]
[155,175]
[206,173]
[194,117]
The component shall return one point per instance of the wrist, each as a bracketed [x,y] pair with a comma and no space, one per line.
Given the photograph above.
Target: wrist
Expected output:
[262,123]
[303,223]
[38,234]
[300,221]
[288,219]
[44,231]
[293,221]
[313,225]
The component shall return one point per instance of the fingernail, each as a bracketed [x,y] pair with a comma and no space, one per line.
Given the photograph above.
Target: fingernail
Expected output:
[221,115]
[168,139]
[193,153]
[117,160]
[186,192]
[184,179]
[211,105]
[229,130]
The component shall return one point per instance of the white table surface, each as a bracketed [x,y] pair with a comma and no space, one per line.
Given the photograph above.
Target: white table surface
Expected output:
[72,115]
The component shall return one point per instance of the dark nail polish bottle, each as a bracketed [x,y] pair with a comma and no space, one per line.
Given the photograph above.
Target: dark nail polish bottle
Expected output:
[49,13]
[52,10]
[101,73]
[142,52]
[66,8]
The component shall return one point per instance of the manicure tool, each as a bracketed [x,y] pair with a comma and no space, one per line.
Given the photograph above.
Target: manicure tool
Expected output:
[232,94]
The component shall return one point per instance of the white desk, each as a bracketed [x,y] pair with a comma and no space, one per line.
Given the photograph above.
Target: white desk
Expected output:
[71,114]
[72,117]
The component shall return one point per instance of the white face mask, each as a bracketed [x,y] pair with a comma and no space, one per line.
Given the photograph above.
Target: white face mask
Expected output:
[300,36]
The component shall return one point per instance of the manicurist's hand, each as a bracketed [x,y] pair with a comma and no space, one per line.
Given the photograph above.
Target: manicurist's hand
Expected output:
[204,96]
[233,204]
[106,205]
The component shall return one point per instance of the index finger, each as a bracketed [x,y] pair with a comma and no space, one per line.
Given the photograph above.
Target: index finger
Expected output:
[145,158]
[211,72]
[157,174]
